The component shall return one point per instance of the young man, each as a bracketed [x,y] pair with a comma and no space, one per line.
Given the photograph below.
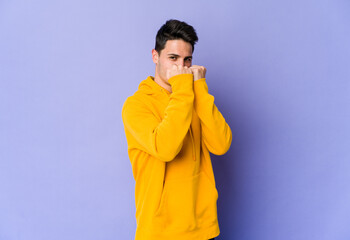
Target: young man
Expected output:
[171,125]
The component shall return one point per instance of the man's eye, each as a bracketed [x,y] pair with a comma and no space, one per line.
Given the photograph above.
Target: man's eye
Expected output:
[189,59]
[172,58]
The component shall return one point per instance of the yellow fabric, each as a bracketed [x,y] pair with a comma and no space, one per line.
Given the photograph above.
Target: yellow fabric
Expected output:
[169,137]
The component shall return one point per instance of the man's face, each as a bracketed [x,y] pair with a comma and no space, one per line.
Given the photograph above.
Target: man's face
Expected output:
[176,52]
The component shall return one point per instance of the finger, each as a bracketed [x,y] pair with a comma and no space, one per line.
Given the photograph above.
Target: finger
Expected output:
[196,66]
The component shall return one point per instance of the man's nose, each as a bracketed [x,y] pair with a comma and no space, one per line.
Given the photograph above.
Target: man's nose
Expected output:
[181,62]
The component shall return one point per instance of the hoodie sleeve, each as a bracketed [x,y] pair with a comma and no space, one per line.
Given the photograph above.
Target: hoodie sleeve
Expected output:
[216,132]
[161,138]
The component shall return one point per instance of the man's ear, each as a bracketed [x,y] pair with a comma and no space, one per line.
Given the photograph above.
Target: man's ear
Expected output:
[155,56]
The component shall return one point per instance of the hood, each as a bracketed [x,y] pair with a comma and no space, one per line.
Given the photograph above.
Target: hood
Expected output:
[150,87]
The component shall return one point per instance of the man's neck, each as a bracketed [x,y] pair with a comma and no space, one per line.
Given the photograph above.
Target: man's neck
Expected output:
[161,83]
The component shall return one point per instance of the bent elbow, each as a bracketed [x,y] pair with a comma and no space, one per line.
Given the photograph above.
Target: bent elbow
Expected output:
[168,154]
[165,157]
[222,147]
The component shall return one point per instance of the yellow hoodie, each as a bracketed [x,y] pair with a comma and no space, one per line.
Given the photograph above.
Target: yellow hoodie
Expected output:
[169,137]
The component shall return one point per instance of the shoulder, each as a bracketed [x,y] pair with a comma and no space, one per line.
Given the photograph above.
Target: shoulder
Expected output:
[132,101]
[136,104]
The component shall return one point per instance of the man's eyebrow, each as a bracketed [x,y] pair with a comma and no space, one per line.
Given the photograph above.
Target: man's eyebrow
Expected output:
[176,55]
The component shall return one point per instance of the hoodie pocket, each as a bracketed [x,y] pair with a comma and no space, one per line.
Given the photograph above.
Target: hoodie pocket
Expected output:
[187,204]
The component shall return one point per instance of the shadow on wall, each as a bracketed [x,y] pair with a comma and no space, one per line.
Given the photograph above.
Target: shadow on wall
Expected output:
[229,168]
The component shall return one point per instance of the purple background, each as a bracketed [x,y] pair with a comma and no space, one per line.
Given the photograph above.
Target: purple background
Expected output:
[279,71]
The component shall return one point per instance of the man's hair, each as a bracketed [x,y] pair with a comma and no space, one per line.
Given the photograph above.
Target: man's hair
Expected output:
[175,29]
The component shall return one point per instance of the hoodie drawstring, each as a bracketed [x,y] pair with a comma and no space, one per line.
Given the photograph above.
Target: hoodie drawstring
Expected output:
[193,146]
[192,137]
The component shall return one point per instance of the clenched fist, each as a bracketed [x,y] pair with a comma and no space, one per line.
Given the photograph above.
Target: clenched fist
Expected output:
[176,70]
[198,72]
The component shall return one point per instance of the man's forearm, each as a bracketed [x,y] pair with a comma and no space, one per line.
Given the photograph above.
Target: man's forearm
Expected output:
[162,139]
[216,132]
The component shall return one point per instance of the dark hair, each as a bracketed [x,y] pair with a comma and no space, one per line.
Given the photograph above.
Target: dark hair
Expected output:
[175,29]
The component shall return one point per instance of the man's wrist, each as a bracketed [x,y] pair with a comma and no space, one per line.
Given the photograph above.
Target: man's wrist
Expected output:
[183,76]
[200,79]
[181,81]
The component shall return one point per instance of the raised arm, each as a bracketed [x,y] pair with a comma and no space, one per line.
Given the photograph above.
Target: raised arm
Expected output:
[161,138]
[216,132]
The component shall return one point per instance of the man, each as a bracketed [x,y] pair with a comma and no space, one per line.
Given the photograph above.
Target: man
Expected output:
[171,123]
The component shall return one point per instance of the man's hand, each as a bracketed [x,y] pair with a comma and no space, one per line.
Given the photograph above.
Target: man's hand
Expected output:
[198,72]
[176,70]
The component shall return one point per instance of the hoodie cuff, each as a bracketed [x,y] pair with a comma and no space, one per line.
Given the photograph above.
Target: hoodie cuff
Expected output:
[200,87]
[181,82]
